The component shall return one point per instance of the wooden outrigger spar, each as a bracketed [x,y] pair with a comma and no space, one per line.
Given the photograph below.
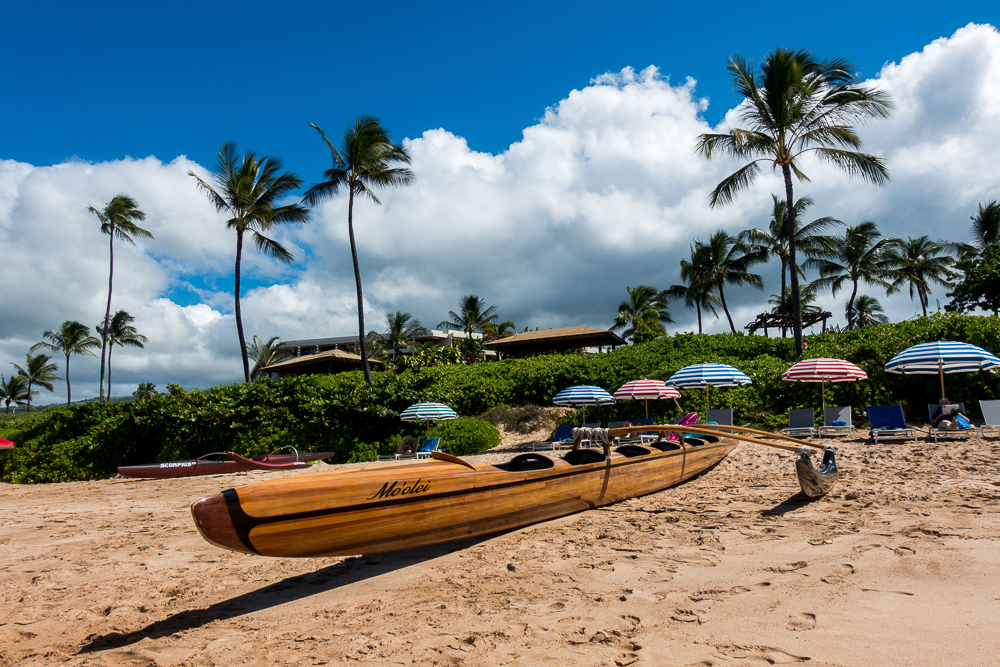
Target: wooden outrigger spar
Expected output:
[388,507]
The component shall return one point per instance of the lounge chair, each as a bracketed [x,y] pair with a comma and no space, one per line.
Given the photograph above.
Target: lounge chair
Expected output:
[429,446]
[563,434]
[721,416]
[830,418]
[887,422]
[801,422]
[932,409]
[991,416]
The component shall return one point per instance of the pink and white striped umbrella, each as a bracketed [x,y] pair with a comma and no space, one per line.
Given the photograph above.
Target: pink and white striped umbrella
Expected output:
[646,390]
[824,369]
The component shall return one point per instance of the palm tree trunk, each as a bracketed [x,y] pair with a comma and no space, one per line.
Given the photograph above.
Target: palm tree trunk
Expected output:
[69,394]
[722,298]
[107,312]
[784,297]
[110,350]
[793,274]
[239,315]
[357,279]
[850,306]
[923,300]
[697,307]
[29,396]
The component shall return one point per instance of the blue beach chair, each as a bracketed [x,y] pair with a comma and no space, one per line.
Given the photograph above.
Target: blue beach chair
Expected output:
[889,423]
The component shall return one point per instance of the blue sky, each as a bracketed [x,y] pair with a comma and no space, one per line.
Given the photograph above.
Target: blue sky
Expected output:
[101,81]
[552,145]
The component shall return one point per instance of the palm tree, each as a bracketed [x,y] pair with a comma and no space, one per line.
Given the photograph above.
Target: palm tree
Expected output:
[494,331]
[470,316]
[921,263]
[71,337]
[400,330]
[793,105]
[986,225]
[14,390]
[807,295]
[367,159]
[697,289]
[121,332]
[860,256]
[37,370]
[249,190]
[809,238]
[263,354]
[145,390]
[865,312]
[645,308]
[727,261]
[118,219]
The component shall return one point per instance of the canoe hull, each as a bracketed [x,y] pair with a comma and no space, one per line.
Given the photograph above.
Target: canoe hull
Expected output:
[195,467]
[400,506]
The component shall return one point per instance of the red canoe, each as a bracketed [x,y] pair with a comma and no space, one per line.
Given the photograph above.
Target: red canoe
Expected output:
[6,444]
[203,465]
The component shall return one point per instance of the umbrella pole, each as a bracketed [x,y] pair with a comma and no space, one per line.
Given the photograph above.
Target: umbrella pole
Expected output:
[823,390]
[941,373]
[708,387]
[677,404]
[646,401]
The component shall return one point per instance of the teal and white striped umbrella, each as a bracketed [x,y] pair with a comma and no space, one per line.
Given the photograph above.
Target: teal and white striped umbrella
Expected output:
[427,412]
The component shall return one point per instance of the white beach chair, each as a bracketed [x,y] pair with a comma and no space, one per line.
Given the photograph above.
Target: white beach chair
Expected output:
[932,409]
[991,416]
[830,415]
[801,421]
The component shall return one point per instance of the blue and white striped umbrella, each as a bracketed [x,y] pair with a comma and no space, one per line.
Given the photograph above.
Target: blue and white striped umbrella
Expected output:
[427,412]
[583,395]
[940,358]
[707,376]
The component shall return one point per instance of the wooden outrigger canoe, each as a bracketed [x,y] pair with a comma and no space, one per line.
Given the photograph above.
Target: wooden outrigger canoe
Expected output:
[375,509]
[233,462]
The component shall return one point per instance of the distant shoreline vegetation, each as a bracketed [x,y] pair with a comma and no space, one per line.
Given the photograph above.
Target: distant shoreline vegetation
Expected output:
[342,413]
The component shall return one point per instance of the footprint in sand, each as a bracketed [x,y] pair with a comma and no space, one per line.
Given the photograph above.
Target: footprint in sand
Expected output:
[767,654]
[838,573]
[861,548]
[802,621]
[687,615]
[789,567]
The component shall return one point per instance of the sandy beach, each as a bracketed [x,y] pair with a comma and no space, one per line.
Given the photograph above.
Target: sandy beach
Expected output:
[900,565]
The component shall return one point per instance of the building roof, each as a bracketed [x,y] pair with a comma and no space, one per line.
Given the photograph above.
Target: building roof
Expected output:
[328,356]
[552,340]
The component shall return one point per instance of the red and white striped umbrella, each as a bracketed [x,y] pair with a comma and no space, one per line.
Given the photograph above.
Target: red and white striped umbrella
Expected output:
[646,390]
[823,369]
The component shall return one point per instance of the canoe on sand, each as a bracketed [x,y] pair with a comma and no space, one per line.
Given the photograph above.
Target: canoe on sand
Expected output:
[374,509]
[395,506]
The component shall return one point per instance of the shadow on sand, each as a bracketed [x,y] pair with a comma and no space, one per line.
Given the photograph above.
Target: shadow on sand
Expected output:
[348,571]
[798,501]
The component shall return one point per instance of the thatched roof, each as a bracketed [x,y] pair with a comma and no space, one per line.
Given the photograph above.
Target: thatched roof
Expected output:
[321,362]
[554,340]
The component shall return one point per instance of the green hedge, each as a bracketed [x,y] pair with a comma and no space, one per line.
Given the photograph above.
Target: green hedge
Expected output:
[340,413]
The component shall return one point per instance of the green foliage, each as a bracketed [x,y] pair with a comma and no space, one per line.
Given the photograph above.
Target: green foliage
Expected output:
[466,435]
[343,414]
[980,285]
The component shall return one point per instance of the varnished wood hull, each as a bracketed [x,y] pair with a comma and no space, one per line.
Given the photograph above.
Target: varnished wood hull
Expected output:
[398,506]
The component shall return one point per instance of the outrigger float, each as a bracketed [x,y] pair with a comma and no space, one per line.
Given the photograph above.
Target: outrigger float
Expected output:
[374,509]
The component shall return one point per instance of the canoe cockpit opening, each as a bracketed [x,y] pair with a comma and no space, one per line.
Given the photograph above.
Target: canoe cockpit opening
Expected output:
[665,445]
[582,456]
[696,442]
[523,462]
[632,450]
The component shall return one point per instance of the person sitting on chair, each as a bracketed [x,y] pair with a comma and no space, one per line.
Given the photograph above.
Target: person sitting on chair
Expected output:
[947,416]
[407,446]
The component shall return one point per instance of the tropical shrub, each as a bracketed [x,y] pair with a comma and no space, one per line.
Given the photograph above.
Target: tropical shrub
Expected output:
[466,435]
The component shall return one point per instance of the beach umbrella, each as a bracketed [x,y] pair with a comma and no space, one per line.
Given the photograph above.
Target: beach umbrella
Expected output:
[823,370]
[583,395]
[940,358]
[428,412]
[697,376]
[645,390]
